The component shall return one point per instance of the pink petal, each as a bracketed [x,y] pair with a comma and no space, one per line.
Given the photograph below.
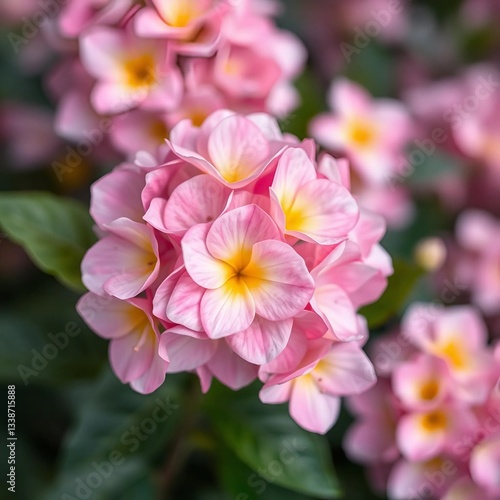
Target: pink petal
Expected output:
[345,370]
[262,341]
[184,304]
[205,270]
[335,308]
[312,410]
[119,267]
[281,283]
[227,310]
[230,369]
[185,353]
[117,194]
[238,230]
[109,317]
[198,200]
[131,355]
[238,149]
[100,52]
[276,394]
[364,445]
[152,378]
[416,442]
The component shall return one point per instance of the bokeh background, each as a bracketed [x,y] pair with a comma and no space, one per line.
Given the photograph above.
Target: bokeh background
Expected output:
[70,408]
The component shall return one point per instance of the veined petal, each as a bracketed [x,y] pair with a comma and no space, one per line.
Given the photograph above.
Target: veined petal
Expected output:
[152,378]
[262,341]
[278,280]
[335,308]
[131,355]
[183,306]
[345,370]
[119,267]
[228,309]
[232,236]
[205,270]
[230,369]
[185,353]
[198,200]
[276,394]
[110,317]
[238,149]
[312,410]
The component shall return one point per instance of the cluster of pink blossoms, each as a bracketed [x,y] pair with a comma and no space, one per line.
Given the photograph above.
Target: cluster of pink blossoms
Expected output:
[430,427]
[238,256]
[373,134]
[145,68]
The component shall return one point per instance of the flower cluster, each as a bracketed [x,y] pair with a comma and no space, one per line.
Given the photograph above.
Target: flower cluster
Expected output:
[239,256]
[373,134]
[435,408]
[145,68]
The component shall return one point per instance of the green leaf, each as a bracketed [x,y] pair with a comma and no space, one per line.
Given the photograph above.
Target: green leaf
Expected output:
[266,439]
[116,438]
[311,103]
[399,287]
[242,483]
[29,354]
[56,232]
[435,165]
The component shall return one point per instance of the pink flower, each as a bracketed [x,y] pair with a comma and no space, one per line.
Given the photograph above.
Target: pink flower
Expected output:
[373,133]
[343,284]
[177,19]
[253,281]
[478,233]
[436,413]
[377,409]
[208,231]
[232,148]
[324,372]
[457,337]
[123,263]
[308,207]
[130,71]
[78,15]
[134,336]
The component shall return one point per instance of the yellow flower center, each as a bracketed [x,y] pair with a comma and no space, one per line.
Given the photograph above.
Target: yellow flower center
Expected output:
[433,421]
[429,390]
[140,71]
[361,133]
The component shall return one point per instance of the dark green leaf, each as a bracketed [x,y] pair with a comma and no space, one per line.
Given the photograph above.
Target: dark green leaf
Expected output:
[30,354]
[398,289]
[117,435]
[242,483]
[56,232]
[266,439]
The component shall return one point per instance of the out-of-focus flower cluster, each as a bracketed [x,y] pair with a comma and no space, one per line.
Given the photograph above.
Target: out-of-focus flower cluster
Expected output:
[430,427]
[239,256]
[128,72]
